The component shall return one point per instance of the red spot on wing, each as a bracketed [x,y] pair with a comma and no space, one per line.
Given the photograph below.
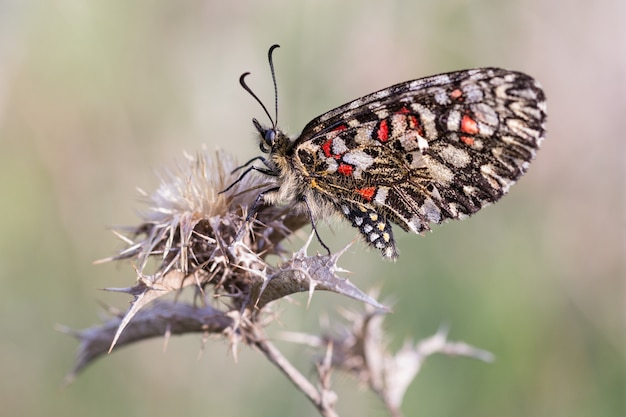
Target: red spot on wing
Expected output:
[469,125]
[456,94]
[414,124]
[467,140]
[345,169]
[383,131]
[367,192]
[326,148]
[403,110]
[339,128]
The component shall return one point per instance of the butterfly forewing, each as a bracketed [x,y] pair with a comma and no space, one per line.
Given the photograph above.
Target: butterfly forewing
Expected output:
[423,151]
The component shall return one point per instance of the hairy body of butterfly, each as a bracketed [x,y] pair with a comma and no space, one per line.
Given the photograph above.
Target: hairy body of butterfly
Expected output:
[418,152]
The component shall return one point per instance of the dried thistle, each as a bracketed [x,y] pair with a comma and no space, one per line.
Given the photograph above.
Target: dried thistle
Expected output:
[194,235]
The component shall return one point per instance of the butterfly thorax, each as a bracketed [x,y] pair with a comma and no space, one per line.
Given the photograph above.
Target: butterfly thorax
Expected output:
[292,184]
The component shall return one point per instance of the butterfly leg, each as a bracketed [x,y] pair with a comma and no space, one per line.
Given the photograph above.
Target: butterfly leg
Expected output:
[257,202]
[252,210]
[265,171]
[319,239]
[256,158]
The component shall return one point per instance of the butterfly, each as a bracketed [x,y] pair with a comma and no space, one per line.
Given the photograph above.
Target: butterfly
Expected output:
[418,152]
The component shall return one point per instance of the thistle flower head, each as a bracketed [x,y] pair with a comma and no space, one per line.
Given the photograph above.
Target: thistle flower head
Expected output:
[189,216]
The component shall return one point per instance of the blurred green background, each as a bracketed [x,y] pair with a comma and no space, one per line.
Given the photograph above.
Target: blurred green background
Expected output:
[95,97]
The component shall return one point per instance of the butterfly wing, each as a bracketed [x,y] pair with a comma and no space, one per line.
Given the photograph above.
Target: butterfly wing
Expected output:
[423,151]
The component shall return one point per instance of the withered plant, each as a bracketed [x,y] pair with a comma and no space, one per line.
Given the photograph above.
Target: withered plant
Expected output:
[194,237]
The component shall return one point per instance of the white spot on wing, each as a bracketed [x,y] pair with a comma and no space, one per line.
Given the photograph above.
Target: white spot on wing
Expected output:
[422,143]
[473,93]
[441,96]
[439,172]
[382,94]
[339,146]
[454,121]
[364,135]
[435,193]
[382,114]
[496,181]
[409,141]
[331,165]
[519,128]
[484,113]
[415,224]
[398,123]
[359,159]
[381,195]
[431,211]
[455,156]
[417,160]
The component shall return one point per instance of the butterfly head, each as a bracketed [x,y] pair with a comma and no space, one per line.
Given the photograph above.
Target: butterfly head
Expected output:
[268,136]
[271,139]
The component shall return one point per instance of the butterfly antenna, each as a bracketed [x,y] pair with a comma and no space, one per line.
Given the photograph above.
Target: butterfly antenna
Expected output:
[271,61]
[242,81]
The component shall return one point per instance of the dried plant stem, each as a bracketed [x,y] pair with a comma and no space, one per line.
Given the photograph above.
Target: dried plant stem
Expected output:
[163,318]
[201,240]
[323,401]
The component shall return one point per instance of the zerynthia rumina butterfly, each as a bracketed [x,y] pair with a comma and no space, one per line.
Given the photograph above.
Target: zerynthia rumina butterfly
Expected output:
[418,152]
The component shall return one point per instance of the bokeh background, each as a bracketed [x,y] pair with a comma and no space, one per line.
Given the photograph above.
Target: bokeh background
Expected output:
[95,97]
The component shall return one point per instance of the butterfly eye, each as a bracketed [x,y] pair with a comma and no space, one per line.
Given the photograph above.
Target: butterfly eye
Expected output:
[270,136]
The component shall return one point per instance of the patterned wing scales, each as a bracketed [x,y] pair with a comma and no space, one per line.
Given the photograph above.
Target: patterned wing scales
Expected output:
[424,151]
[375,228]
